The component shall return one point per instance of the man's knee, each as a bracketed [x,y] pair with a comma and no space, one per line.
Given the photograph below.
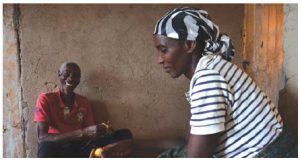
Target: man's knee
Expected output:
[122,134]
[47,149]
[118,135]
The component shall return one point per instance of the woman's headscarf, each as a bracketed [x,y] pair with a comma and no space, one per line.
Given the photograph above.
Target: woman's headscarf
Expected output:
[190,24]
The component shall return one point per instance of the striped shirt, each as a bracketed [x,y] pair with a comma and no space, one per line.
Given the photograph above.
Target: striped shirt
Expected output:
[225,99]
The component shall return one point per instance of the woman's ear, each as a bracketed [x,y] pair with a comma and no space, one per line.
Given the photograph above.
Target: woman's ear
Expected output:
[191,46]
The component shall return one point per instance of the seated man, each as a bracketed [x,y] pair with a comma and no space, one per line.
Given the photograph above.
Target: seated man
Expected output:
[65,123]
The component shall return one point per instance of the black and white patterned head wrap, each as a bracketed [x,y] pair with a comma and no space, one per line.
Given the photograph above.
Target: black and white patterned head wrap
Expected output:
[191,24]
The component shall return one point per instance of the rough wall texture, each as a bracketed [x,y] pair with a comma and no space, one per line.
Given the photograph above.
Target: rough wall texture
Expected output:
[289,95]
[113,46]
[13,135]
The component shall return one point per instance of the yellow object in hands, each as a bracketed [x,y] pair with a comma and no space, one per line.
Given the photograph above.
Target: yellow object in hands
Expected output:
[98,152]
[106,125]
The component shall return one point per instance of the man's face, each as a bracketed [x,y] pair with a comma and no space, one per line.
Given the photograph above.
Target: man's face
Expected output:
[172,55]
[69,77]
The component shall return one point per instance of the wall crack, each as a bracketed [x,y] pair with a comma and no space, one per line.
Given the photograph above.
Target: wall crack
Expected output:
[16,21]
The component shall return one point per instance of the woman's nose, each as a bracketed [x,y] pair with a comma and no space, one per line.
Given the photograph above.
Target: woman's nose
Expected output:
[160,59]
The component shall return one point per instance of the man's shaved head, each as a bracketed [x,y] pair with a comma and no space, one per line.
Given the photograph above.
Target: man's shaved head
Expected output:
[65,64]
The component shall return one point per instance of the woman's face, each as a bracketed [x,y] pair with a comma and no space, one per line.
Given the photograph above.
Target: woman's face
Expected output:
[172,55]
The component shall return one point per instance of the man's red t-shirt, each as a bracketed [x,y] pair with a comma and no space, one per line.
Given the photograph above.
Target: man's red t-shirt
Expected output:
[51,109]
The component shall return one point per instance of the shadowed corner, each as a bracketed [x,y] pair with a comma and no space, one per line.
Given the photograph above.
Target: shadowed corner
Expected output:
[100,111]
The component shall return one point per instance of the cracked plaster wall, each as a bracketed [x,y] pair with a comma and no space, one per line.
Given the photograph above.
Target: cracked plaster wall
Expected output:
[289,95]
[112,44]
[13,131]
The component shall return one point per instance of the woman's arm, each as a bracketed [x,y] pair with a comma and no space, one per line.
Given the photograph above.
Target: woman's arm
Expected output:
[202,146]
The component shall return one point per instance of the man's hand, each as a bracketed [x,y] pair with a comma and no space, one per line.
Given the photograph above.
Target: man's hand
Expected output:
[96,131]
[90,131]
[117,150]
[103,130]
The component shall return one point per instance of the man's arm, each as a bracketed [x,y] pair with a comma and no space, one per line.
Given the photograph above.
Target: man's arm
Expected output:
[202,146]
[80,134]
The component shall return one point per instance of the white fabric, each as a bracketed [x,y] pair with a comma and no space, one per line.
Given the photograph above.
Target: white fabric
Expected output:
[225,99]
